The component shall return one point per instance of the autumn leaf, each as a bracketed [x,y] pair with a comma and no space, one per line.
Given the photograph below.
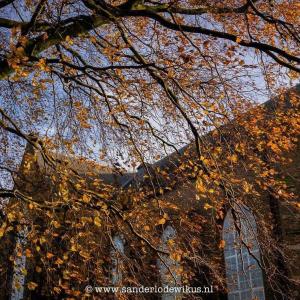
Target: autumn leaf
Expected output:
[207,206]
[69,40]
[32,285]
[11,217]
[59,261]
[73,248]
[238,40]
[175,256]
[86,198]
[28,253]
[2,229]
[42,240]
[171,242]
[233,158]
[24,271]
[84,254]
[97,221]
[86,220]
[55,224]
[222,244]
[49,255]
[161,221]
[246,186]
[200,185]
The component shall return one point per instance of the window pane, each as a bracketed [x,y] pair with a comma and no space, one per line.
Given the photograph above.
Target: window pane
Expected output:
[246,295]
[166,264]
[244,276]
[259,294]
[234,296]
[116,253]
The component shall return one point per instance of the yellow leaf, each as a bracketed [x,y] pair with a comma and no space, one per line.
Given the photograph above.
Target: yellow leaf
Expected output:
[17,285]
[104,207]
[86,198]
[42,240]
[11,217]
[78,186]
[55,224]
[97,221]
[246,187]
[24,272]
[161,221]
[207,206]
[69,40]
[200,185]
[146,228]
[176,256]
[171,242]
[85,220]
[204,160]
[73,248]
[233,158]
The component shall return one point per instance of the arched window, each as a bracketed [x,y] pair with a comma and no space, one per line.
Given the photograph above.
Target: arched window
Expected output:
[18,278]
[169,269]
[242,256]
[117,255]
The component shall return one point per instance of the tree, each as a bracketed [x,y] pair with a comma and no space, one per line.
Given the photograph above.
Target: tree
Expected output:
[124,83]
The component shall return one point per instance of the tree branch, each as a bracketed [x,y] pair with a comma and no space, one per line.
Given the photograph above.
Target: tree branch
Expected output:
[214,33]
[77,25]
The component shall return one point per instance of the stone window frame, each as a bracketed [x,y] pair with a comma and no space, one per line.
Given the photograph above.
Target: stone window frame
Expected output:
[243,274]
[165,264]
[117,253]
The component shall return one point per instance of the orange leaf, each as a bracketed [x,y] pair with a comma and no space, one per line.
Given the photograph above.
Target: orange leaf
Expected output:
[32,285]
[49,255]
